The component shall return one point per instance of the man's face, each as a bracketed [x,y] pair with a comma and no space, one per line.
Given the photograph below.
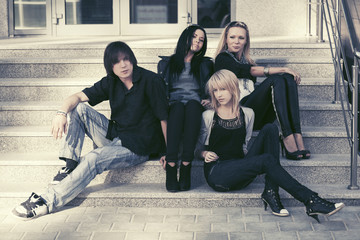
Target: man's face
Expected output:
[124,68]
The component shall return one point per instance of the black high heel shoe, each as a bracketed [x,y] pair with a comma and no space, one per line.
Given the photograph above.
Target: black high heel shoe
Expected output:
[305,154]
[172,184]
[317,205]
[272,198]
[289,155]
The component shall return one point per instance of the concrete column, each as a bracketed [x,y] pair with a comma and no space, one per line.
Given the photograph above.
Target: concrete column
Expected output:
[273,17]
[4,18]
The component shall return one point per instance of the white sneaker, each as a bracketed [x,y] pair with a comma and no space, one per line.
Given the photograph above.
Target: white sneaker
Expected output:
[35,206]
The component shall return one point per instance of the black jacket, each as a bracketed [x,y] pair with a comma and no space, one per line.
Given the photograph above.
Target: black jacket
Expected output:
[206,71]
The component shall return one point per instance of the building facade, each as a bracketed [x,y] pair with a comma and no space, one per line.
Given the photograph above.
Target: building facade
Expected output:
[149,17]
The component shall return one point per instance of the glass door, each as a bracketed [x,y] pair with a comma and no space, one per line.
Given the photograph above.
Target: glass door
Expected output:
[154,17]
[87,17]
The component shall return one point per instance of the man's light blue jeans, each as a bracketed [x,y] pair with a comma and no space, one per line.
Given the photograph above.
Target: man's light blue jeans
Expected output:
[109,155]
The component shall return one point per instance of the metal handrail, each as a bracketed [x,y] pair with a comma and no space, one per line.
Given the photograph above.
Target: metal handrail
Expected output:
[331,13]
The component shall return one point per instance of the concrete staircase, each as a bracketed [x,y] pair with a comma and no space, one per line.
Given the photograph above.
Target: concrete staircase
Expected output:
[37,74]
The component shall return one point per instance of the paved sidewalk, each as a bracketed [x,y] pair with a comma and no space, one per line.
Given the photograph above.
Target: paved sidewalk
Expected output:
[120,223]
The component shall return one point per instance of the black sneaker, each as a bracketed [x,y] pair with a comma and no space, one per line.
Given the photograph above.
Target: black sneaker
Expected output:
[35,206]
[63,173]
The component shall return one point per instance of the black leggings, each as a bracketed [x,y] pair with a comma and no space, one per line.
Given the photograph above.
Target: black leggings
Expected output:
[263,157]
[279,90]
[183,123]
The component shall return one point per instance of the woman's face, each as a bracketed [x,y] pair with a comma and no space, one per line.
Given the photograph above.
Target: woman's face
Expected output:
[222,96]
[197,41]
[236,39]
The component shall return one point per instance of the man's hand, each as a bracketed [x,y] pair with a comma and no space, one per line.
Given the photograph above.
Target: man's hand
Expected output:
[59,126]
[209,156]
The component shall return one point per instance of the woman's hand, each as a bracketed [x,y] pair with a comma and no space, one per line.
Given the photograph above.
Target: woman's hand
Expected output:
[209,156]
[205,103]
[59,126]
[162,161]
[296,75]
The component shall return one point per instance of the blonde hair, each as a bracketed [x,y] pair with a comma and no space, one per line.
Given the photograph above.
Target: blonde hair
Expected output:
[222,43]
[227,80]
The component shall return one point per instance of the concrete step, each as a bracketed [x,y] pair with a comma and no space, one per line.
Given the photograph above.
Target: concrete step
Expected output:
[328,140]
[155,195]
[154,47]
[93,67]
[57,89]
[29,113]
[42,167]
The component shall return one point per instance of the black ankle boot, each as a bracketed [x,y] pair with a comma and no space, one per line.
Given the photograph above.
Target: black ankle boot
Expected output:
[317,205]
[185,177]
[271,197]
[172,184]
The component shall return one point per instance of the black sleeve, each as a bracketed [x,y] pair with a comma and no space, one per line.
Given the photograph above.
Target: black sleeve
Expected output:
[98,92]
[225,61]
[156,93]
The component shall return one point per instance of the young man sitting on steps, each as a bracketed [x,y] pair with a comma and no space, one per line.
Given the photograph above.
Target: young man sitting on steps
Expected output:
[136,129]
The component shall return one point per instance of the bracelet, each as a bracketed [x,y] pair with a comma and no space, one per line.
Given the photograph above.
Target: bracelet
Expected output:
[266,71]
[59,112]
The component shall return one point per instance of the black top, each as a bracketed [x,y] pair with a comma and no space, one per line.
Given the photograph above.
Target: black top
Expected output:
[227,137]
[227,60]
[135,113]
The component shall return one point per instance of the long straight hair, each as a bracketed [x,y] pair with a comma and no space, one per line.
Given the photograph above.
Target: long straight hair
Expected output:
[183,47]
[222,46]
[113,52]
[225,79]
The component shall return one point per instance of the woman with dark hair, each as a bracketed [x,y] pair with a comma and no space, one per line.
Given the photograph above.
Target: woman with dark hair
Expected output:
[275,97]
[185,73]
[229,165]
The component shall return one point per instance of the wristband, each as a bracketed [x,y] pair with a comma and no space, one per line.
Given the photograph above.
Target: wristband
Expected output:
[266,71]
[59,112]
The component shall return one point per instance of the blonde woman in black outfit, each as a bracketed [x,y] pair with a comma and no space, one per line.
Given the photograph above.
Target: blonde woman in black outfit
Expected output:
[229,165]
[275,97]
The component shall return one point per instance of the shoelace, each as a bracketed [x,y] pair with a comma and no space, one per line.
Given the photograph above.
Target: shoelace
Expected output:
[276,196]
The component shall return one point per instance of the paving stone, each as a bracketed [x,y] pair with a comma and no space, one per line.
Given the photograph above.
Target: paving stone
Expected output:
[315,235]
[228,227]
[196,211]
[246,236]
[177,236]
[86,217]
[352,225]
[195,227]
[161,227]
[74,236]
[295,226]
[142,236]
[211,218]
[128,227]
[64,227]
[348,235]
[329,226]
[115,217]
[29,226]
[164,211]
[229,211]
[211,236]
[40,236]
[108,209]
[6,227]
[281,236]
[263,227]
[94,227]
[273,218]
[108,236]
[12,235]
[245,218]
[180,218]
[133,210]
[148,218]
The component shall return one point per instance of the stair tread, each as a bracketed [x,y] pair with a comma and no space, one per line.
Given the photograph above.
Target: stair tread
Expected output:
[51,159]
[54,105]
[157,190]
[308,131]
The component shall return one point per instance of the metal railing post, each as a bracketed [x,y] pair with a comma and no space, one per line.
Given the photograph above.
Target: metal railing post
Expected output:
[354,149]
[308,18]
[320,25]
